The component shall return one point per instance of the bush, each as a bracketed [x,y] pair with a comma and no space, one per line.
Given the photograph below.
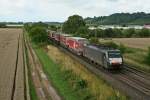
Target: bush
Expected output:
[2,25]
[94,40]
[82,32]
[144,33]
[38,35]
[53,28]
[122,48]
[112,45]
[147,59]
[81,84]
[75,81]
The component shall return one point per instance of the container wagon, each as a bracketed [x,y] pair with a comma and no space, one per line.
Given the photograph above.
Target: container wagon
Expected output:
[106,57]
[63,39]
[75,44]
[51,34]
[57,37]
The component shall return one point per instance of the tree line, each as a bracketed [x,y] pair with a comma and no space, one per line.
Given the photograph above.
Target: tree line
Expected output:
[138,18]
[120,33]
[3,25]
[76,25]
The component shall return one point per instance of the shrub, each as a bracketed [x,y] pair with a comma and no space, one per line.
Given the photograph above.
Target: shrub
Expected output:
[147,59]
[81,84]
[38,35]
[82,32]
[3,25]
[112,45]
[122,48]
[94,40]
[53,28]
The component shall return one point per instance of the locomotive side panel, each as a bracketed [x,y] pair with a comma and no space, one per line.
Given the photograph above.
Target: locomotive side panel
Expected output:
[94,55]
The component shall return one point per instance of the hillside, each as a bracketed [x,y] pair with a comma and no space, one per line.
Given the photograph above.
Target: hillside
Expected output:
[139,18]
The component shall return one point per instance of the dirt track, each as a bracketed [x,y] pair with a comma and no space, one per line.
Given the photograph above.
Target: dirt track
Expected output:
[43,86]
[12,84]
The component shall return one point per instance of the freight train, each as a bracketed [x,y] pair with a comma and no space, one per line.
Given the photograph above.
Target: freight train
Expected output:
[107,57]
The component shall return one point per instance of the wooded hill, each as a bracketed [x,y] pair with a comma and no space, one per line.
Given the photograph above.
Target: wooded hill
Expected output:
[139,18]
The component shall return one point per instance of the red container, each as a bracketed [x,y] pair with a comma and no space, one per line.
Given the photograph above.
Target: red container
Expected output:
[63,39]
[76,44]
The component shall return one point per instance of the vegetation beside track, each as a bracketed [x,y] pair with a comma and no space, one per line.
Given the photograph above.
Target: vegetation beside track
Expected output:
[33,95]
[57,76]
[74,81]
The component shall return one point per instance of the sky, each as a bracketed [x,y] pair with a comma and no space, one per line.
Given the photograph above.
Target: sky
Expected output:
[60,10]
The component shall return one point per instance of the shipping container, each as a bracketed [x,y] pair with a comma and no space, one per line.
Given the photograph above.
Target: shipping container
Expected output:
[63,39]
[76,44]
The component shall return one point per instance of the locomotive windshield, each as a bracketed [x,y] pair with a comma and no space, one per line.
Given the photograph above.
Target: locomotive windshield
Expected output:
[114,54]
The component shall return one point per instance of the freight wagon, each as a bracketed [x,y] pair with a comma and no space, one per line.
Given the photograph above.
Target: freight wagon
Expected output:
[57,37]
[104,56]
[51,34]
[63,39]
[76,44]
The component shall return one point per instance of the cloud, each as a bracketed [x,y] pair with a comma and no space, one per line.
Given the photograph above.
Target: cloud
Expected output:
[59,10]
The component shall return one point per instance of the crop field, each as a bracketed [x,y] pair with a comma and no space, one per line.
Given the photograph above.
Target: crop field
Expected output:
[11,65]
[140,43]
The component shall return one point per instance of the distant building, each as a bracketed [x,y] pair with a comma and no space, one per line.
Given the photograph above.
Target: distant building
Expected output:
[14,25]
[103,27]
[147,26]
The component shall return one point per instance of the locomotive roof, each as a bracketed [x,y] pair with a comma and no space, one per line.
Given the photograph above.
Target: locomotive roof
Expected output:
[102,48]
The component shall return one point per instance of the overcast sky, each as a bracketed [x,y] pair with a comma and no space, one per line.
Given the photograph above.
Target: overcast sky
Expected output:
[59,10]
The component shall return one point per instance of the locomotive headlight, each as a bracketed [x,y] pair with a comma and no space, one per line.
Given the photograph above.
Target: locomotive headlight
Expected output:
[115,60]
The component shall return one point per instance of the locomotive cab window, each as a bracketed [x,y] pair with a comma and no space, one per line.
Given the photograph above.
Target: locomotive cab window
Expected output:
[114,54]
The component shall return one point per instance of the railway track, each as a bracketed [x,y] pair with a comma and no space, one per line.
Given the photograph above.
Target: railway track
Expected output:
[43,87]
[134,83]
[137,72]
[40,91]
